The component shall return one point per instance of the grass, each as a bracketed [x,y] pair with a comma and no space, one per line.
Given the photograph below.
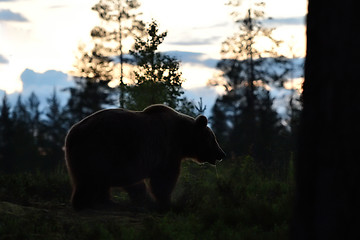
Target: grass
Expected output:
[240,202]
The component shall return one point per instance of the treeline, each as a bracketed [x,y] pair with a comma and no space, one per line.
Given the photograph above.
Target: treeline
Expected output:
[243,118]
[31,138]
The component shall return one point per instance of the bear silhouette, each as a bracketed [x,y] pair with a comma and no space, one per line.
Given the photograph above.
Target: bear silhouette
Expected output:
[122,148]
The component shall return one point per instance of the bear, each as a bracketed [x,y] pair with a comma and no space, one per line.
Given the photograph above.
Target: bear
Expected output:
[123,148]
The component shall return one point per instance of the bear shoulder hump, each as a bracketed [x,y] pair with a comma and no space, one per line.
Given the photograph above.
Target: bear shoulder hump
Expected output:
[159,109]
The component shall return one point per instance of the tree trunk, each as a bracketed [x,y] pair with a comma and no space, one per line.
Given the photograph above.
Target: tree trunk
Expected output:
[328,170]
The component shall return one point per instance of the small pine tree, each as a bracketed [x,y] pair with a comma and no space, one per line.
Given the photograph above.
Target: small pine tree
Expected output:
[87,97]
[32,106]
[157,79]
[54,131]
[25,150]
[6,137]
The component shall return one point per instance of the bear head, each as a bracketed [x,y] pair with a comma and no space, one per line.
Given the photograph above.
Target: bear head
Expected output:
[206,146]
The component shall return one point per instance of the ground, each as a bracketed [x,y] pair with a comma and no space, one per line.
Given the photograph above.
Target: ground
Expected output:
[240,202]
[62,222]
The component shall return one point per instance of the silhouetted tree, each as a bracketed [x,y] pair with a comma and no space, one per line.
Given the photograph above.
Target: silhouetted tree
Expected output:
[157,78]
[107,58]
[220,123]
[328,169]
[6,137]
[87,97]
[32,107]
[29,139]
[25,155]
[200,107]
[246,104]
[55,126]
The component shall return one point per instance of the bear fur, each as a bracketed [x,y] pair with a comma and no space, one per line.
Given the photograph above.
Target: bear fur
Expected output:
[121,148]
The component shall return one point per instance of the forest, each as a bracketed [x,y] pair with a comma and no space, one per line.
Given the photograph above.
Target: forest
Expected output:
[254,193]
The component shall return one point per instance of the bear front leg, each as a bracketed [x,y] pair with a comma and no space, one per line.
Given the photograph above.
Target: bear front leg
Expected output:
[162,186]
[137,192]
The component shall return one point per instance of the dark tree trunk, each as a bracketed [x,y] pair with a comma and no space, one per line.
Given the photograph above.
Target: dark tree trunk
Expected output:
[328,173]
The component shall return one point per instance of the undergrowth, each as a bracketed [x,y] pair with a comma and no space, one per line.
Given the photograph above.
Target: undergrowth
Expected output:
[237,202]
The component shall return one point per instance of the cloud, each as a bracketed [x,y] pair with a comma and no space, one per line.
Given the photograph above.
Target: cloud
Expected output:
[193,58]
[196,41]
[183,56]
[43,84]
[8,15]
[58,6]
[292,21]
[3,60]
[217,25]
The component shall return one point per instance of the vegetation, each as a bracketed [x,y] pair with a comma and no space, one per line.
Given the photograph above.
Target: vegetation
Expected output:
[244,118]
[157,77]
[109,54]
[234,202]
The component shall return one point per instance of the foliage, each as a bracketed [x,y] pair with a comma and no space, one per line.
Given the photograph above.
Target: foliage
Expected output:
[119,23]
[237,203]
[157,78]
[32,139]
[26,188]
[244,117]
[53,131]
[106,60]
[87,97]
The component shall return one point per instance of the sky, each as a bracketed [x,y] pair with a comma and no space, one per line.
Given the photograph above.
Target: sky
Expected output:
[39,38]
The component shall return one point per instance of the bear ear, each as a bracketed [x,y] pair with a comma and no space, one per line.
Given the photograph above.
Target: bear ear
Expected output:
[201,121]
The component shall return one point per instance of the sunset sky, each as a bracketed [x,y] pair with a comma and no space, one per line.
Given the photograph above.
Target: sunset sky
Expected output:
[39,36]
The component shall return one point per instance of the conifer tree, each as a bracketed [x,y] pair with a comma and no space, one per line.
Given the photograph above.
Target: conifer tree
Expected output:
[54,130]
[6,137]
[246,100]
[87,97]
[111,42]
[32,106]
[157,78]
[25,155]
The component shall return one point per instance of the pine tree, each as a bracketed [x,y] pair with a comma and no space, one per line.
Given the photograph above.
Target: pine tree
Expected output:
[246,104]
[157,78]
[32,106]
[109,54]
[25,150]
[87,97]
[6,137]
[55,128]
[220,124]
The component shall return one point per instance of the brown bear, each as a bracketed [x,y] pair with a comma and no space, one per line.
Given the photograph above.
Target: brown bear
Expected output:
[122,148]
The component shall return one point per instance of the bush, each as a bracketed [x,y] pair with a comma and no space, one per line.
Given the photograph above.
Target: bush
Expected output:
[239,201]
[25,188]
